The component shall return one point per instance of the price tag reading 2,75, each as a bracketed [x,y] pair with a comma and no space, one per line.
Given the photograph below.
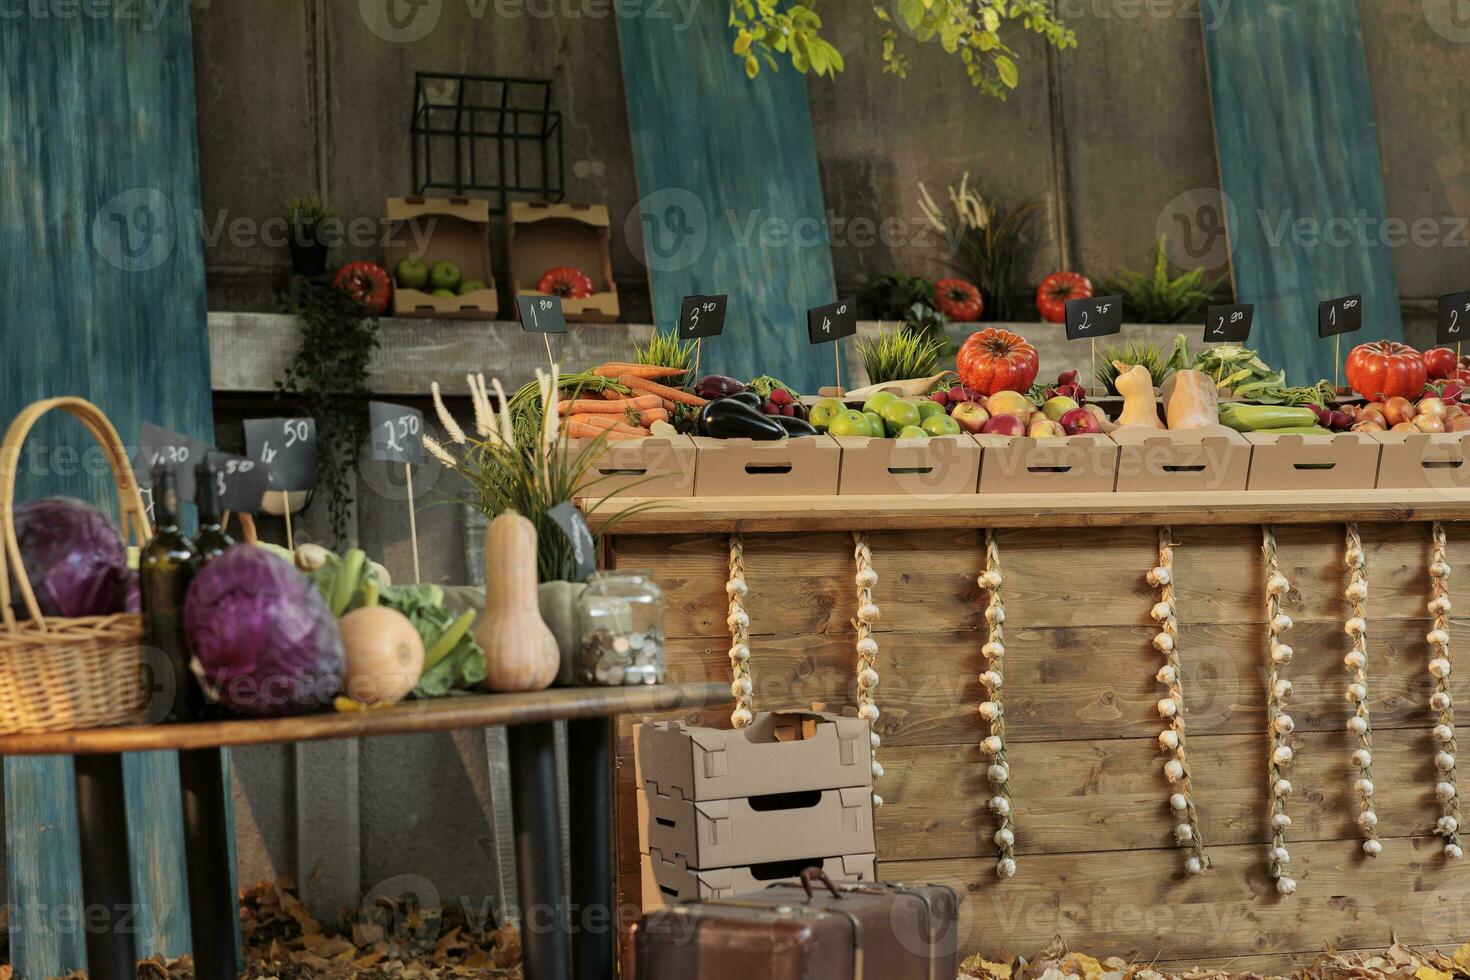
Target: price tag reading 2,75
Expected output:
[1454,317]
[831,322]
[1341,315]
[702,316]
[541,314]
[1229,323]
[397,435]
[1094,316]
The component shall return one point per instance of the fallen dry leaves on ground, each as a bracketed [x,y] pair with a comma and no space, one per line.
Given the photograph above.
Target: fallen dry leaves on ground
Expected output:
[1056,962]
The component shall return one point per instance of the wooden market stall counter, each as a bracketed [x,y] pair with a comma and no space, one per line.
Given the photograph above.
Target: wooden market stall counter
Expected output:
[102,821]
[1096,857]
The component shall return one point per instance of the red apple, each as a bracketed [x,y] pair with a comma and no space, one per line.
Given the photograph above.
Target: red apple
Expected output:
[1079,421]
[1004,425]
[971,417]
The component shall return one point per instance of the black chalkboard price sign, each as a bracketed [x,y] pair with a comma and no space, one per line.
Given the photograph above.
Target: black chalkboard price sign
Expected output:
[157,446]
[541,314]
[574,526]
[287,450]
[1094,316]
[239,482]
[397,433]
[1340,316]
[1454,318]
[831,322]
[1229,323]
[702,316]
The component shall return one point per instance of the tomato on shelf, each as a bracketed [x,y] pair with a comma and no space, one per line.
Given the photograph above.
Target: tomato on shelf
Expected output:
[1440,362]
[368,285]
[1056,289]
[997,360]
[1385,369]
[567,282]
[958,299]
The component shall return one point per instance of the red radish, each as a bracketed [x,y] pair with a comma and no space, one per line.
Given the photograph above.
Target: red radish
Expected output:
[939,397]
[782,397]
[1068,377]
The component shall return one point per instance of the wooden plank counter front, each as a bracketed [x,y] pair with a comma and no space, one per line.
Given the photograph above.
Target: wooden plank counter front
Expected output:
[1097,861]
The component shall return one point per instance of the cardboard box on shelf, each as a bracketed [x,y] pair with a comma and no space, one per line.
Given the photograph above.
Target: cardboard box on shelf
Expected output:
[666,880]
[1341,461]
[540,236]
[436,229]
[1065,464]
[654,466]
[778,752]
[944,465]
[1423,460]
[756,829]
[808,466]
[1211,459]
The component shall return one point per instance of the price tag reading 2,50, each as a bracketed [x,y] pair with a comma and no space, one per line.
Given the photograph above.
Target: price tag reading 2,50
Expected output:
[1229,323]
[397,435]
[1094,316]
[1454,317]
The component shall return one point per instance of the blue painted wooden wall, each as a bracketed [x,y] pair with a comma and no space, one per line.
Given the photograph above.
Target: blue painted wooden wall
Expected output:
[1298,148]
[731,200]
[102,274]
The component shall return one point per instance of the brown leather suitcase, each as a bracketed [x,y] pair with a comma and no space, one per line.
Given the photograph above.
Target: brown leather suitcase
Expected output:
[833,931]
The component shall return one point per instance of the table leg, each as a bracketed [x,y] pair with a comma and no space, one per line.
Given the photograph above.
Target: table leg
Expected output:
[109,915]
[538,851]
[206,798]
[589,747]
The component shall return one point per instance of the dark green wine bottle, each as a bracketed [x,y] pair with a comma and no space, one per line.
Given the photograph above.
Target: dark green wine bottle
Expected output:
[212,539]
[165,567]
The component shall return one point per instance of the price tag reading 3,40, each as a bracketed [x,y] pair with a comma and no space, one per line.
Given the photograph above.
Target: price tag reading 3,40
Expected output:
[702,316]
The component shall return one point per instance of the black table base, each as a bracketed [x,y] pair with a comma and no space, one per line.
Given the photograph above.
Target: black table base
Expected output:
[109,916]
[538,851]
[594,915]
[212,915]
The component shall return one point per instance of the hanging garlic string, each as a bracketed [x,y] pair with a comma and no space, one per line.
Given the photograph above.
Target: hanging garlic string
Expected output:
[1447,788]
[992,710]
[867,647]
[1279,723]
[741,687]
[1171,710]
[1356,662]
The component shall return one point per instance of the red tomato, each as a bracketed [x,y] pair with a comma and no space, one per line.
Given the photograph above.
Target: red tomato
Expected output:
[1384,370]
[997,360]
[1440,362]
[368,284]
[1056,289]
[565,281]
[959,300]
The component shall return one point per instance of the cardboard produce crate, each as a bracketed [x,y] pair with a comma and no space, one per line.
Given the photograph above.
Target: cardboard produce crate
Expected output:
[779,752]
[1064,464]
[1423,460]
[541,236]
[1204,460]
[943,465]
[806,466]
[666,881]
[452,228]
[1341,461]
[654,466]
[756,829]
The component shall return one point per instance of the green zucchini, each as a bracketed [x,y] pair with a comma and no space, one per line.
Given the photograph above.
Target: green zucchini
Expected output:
[1257,418]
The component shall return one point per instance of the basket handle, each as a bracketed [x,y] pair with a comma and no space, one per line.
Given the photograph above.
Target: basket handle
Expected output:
[131,513]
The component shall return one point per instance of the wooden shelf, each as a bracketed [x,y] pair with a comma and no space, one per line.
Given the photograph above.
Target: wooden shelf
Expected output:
[438,715]
[699,515]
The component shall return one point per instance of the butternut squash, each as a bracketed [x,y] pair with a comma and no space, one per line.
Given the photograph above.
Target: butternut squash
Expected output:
[520,649]
[1136,386]
[1191,400]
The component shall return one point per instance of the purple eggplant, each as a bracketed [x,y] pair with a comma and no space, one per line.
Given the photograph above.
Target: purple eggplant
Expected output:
[715,386]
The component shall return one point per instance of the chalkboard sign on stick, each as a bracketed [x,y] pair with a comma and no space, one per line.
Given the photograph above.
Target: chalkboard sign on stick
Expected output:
[702,316]
[239,482]
[1340,316]
[1229,323]
[287,450]
[397,433]
[1094,316]
[574,526]
[1454,317]
[158,445]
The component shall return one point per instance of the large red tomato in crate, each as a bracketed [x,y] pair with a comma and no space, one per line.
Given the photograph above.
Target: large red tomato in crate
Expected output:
[565,281]
[1383,370]
[997,360]
[368,284]
[1056,289]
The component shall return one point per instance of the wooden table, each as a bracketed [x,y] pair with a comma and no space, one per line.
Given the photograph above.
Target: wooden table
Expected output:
[546,939]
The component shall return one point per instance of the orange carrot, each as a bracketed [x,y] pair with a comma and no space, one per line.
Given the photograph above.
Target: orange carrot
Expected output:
[598,406]
[616,369]
[581,430]
[661,391]
[649,416]
[613,422]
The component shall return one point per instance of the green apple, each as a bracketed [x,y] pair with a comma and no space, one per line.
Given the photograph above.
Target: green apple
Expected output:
[411,273]
[929,409]
[471,285]
[444,274]
[444,293]
[824,411]
[849,423]
[912,432]
[940,425]
[875,422]
[1056,407]
[897,414]
[875,403]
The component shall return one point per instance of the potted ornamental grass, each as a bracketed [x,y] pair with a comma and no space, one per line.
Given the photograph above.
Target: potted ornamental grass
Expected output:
[305,215]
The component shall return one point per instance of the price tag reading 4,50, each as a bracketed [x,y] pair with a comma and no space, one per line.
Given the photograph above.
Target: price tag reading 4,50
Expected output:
[702,316]
[1229,323]
[397,435]
[1454,318]
[287,450]
[541,314]
[238,482]
[831,322]
[1341,315]
[1094,316]
[574,526]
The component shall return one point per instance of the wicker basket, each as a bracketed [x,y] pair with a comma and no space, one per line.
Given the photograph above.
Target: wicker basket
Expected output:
[58,674]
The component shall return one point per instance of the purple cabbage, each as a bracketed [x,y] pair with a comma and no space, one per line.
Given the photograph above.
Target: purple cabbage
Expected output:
[74,558]
[263,641]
